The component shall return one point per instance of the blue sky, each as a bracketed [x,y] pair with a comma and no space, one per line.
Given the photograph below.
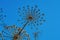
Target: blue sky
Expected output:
[50,29]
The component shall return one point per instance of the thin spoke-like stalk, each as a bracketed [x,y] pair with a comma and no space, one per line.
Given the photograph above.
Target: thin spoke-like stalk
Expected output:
[23,27]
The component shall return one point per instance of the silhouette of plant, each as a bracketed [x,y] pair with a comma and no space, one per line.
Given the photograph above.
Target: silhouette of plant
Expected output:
[12,33]
[27,16]
[32,15]
[36,35]
[2,17]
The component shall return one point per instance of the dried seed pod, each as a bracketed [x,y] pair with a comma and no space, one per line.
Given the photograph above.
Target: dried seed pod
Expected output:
[12,32]
[31,14]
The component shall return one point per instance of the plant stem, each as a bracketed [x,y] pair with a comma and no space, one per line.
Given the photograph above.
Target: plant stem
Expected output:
[23,27]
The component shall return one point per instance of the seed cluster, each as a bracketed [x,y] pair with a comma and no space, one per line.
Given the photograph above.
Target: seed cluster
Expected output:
[27,15]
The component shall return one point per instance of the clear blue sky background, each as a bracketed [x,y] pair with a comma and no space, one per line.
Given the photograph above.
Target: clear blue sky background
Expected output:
[51,28]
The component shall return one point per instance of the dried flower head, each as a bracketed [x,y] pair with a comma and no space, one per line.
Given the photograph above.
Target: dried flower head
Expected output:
[12,33]
[36,35]
[2,17]
[31,14]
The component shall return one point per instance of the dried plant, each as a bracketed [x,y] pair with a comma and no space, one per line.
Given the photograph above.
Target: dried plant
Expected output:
[32,15]
[36,35]
[12,33]
[27,15]
[2,17]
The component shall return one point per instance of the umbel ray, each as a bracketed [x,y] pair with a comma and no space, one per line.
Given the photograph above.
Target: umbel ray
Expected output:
[12,33]
[31,16]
